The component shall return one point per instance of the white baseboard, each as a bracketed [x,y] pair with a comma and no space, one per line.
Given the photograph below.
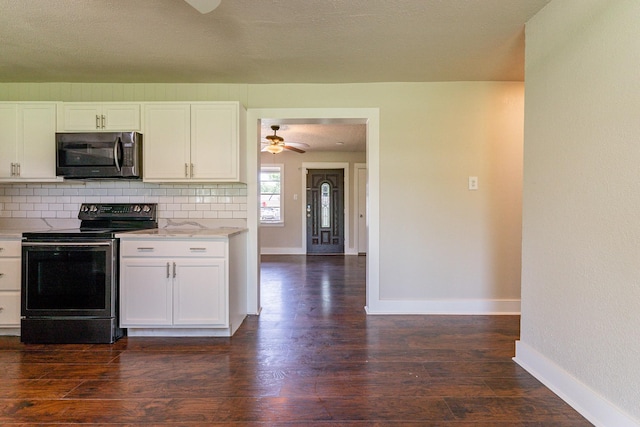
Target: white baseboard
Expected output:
[295,251]
[586,401]
[179,332]
[462,306]
[282,251]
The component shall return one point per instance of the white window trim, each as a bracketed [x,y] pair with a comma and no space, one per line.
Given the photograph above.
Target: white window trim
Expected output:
[280,167]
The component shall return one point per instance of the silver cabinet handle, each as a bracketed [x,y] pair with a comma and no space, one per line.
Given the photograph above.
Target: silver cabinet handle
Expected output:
[1,275]
[18,165]
[97,121]
[192,174]
[145,249]
[1,308]
[167,270]
[186,170]
[1,249]
[198,249]
[174,270]
[103,121]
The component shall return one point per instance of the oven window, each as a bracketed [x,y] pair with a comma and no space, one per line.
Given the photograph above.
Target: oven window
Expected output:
[67,279]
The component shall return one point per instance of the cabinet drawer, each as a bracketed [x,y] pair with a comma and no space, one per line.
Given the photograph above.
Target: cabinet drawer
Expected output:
[10,248]
[9,274]
[10,308]
[172,248]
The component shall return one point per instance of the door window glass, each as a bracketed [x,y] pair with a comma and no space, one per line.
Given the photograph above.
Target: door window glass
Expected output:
[325,205]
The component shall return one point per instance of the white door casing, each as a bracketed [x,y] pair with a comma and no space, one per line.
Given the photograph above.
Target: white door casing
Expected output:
[368,116]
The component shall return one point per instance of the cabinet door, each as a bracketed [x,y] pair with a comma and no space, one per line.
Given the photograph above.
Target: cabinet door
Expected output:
[8,138]
[121,117]
[145,292]
[9,274]
[80,116]
[10,309]
[214,141]
[166,142]
[199,293]
[37,141]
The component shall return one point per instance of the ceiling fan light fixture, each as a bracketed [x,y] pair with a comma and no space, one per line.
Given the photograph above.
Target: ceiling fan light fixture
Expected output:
[275,149]
[204,6]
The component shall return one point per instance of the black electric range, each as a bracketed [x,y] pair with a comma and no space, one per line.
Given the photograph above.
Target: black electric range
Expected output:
[70,277]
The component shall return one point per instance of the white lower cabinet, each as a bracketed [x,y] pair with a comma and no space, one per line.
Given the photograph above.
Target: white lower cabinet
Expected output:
[199,293]
[169,292]
[10,286]
[176,287]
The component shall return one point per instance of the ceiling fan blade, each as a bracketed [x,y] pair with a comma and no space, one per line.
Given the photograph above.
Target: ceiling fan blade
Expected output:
[204,6]
[298,144]
[297,150]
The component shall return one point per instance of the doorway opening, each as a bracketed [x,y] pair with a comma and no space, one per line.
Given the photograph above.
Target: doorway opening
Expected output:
[369,117]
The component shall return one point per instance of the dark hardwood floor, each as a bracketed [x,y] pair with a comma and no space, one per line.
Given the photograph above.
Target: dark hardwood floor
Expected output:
[311,358]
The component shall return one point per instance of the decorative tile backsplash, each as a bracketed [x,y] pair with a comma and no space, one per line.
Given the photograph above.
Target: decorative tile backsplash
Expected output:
[175,201]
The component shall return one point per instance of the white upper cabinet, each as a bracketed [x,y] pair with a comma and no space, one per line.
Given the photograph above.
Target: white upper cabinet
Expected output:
[99,117]
[214,141]
[201,142]
[27,141]
[166,142]
[8,139]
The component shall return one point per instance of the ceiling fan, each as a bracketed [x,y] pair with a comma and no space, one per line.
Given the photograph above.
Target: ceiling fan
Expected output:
[204,6]
[276,143]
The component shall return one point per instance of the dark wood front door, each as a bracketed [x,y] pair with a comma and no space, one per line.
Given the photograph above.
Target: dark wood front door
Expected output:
[325,211]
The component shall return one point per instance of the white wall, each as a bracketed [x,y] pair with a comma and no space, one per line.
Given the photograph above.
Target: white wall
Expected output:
[581,226]
[442,247]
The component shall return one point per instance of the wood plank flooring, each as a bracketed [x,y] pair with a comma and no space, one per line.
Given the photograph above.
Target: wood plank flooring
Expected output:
[311,358]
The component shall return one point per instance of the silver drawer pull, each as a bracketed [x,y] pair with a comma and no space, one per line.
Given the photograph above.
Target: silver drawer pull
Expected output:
[145,249]
[1,249]
[198,249]
[1,308]
[1,275]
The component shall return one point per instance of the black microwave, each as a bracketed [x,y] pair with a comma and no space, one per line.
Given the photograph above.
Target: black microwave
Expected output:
[99,155]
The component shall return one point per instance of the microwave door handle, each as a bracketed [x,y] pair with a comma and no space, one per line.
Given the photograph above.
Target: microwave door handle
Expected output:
[116,153]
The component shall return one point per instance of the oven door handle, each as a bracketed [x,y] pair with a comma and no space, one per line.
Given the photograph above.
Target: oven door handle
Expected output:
[109,243]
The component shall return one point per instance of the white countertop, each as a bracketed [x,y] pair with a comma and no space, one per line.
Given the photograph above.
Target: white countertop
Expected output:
[182,233]
[10,234]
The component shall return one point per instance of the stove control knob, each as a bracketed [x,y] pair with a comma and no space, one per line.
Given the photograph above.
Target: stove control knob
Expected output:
[146,208]
[93,208]
[84,208]
[137,208]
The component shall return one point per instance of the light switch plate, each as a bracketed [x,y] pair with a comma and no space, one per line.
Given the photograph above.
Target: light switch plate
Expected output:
[473,183]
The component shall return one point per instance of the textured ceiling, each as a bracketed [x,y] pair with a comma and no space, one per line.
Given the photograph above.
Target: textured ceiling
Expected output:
[263,41]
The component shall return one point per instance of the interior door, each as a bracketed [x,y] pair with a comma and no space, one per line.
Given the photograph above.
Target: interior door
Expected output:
[325,211]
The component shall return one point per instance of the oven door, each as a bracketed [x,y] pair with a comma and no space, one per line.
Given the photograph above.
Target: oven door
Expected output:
[66,279]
